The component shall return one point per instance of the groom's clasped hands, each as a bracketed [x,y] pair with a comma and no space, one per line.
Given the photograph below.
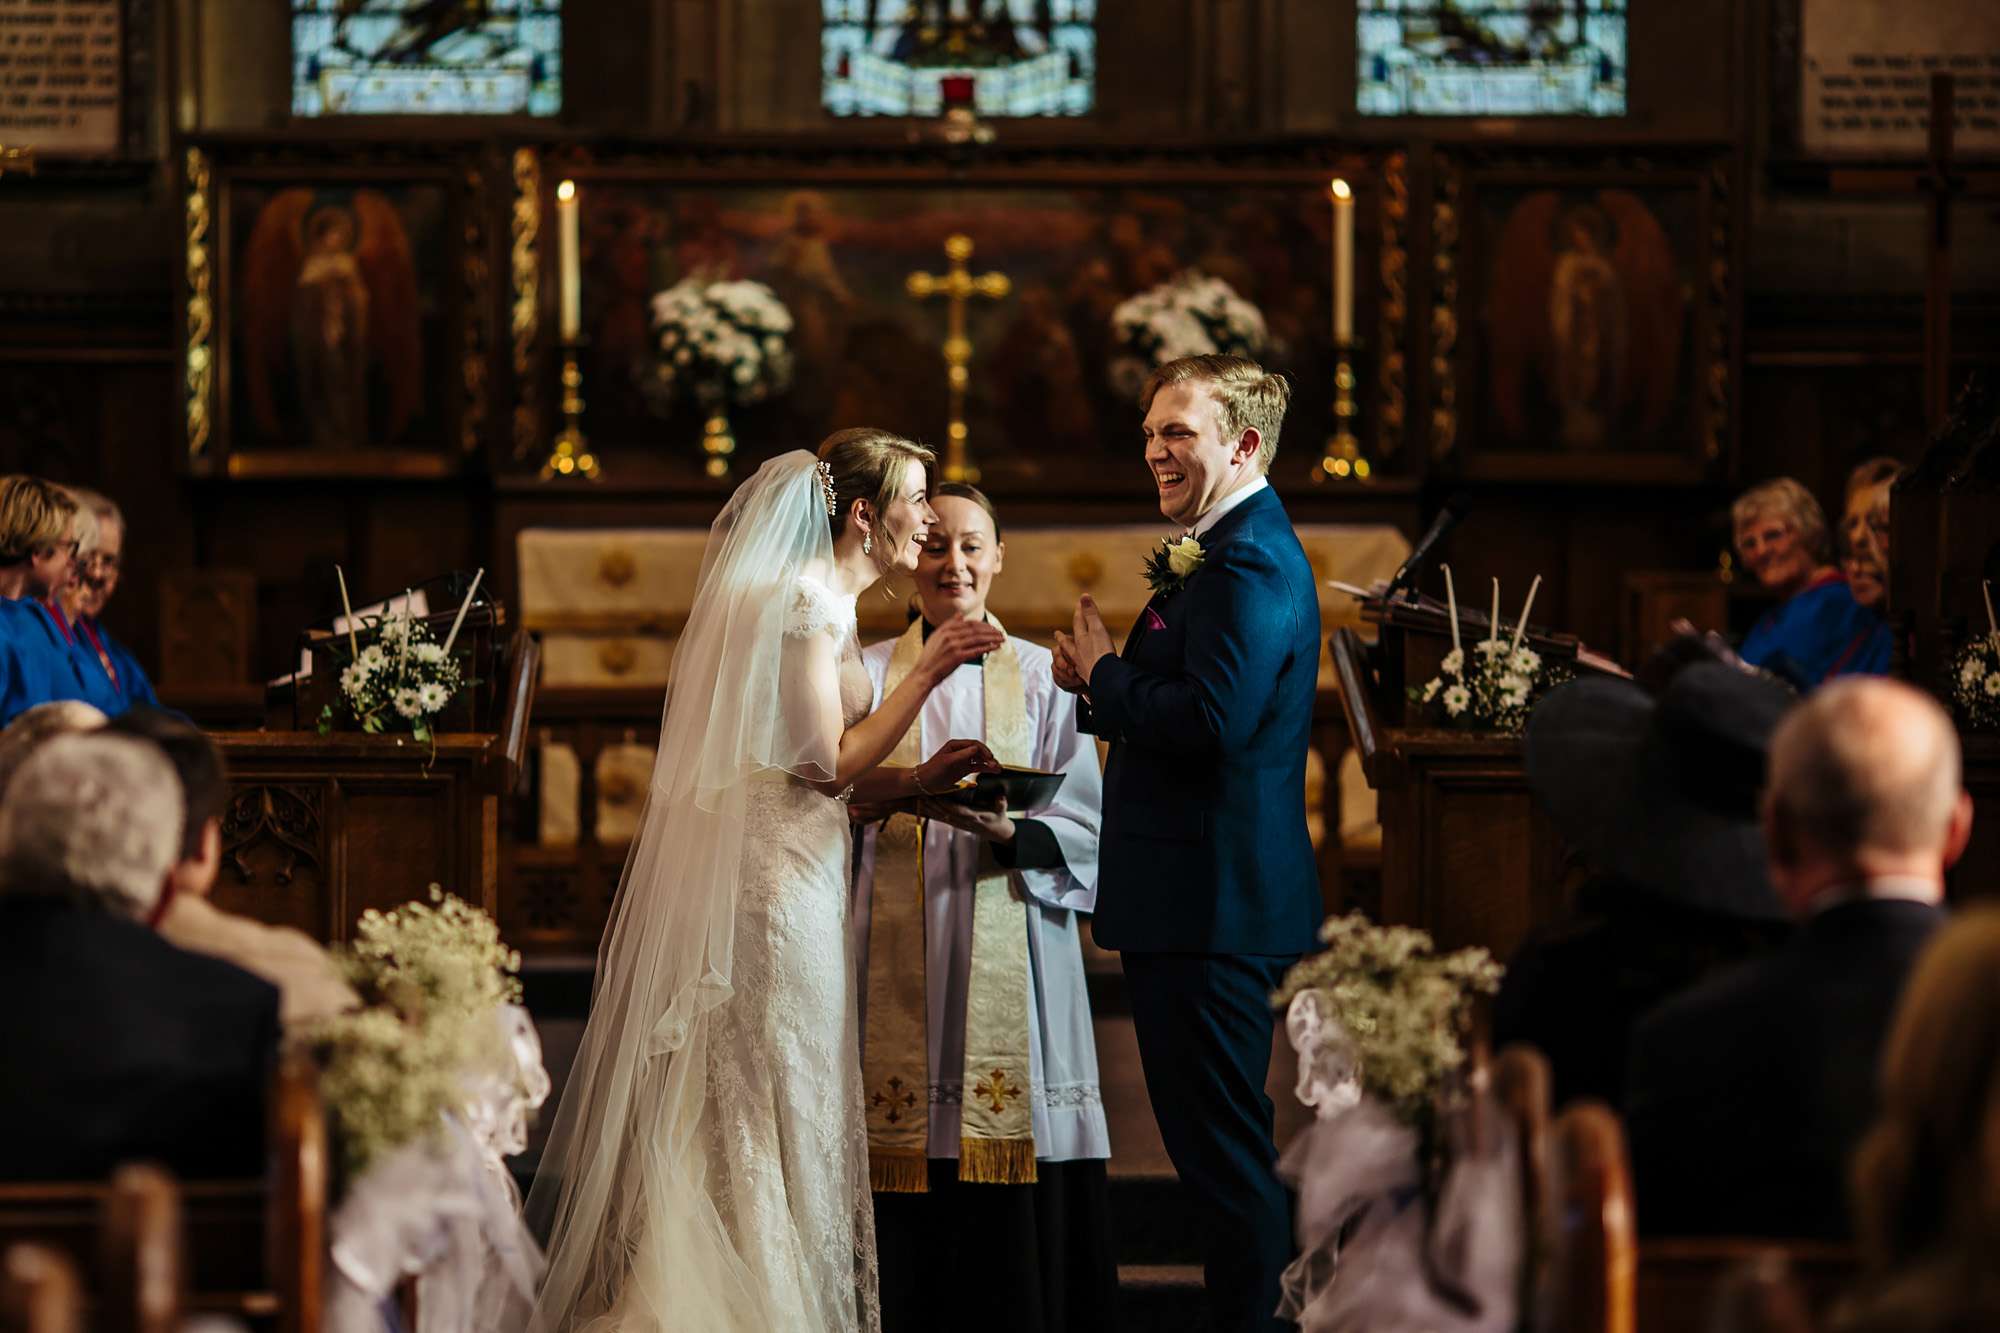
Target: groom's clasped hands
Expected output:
[1077,653]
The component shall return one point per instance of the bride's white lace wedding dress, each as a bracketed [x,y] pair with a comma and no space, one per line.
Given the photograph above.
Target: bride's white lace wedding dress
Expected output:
[708,1167]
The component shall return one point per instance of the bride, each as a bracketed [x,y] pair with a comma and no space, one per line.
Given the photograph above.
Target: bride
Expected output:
[709,1166]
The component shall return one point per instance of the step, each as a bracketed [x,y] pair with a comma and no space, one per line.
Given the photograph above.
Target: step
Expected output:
[1161,1298]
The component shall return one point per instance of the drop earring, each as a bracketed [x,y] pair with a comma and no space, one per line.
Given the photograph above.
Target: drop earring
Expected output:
[868,544]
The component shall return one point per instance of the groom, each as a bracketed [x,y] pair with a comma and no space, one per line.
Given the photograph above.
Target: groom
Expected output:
[1206,880]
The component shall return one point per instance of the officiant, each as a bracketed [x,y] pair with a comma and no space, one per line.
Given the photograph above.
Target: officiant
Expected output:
[987,1138]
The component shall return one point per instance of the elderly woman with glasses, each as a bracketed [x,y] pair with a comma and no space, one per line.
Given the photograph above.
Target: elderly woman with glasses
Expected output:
[1817,629]
[104,659]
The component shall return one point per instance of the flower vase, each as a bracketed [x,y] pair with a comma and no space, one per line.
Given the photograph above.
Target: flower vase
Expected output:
[718,444]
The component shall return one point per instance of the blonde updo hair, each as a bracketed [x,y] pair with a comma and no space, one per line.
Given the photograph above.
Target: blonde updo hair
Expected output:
[1928,1173]
[867,464]
[1791,502]
[1247,396]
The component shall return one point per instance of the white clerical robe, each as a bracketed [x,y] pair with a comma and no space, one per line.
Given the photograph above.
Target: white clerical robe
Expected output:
[1068,1107]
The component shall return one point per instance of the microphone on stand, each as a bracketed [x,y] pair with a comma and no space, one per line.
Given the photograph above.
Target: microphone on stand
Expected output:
[1454,509]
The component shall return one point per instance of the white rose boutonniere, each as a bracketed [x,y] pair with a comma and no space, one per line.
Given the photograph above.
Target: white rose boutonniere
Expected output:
[1169,568]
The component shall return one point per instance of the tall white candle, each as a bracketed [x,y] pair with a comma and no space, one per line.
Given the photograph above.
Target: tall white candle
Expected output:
[347,609]
[1986,591]
[1451,600]
[403,652]
[463,606]
[1493,620]
[1521,626]
[569,257]
[1343,263]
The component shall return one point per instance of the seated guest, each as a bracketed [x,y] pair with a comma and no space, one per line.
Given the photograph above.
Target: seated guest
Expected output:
[1817,629]
[309,985]
[1926,1180]
[41,527]
[43,722]
[1748,1094]
[1659,798]
[98,561]
[1864,532]
[115,1045]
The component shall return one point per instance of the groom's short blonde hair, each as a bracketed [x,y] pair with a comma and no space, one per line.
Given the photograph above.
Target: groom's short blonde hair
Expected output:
[1247,396]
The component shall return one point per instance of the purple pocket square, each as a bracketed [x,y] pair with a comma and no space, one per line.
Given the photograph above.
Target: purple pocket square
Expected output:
[1152,620]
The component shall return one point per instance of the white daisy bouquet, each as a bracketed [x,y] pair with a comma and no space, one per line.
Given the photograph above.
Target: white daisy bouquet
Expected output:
[1399,1003]
[431,977]
[1975,674]
[403,678]
[1191,314]
[1491,685]
[725,343]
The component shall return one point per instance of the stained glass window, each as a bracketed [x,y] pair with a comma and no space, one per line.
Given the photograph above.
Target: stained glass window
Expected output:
[1491,57]
[422,57]
[904,57]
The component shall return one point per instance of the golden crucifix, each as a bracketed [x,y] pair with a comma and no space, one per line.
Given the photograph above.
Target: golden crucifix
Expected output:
[957,286]
[20,160]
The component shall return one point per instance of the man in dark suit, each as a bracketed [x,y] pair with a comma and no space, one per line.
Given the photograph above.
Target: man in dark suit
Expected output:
[114,1045]
[1206,881]
[1749,1093]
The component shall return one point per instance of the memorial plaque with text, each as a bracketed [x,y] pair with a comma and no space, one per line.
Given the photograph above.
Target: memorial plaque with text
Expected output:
[1865,86]
[60,67]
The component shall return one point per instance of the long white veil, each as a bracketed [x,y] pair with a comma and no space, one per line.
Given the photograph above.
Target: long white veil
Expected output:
[624,1156]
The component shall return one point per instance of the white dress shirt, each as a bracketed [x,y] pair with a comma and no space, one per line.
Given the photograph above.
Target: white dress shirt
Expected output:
[1225,504]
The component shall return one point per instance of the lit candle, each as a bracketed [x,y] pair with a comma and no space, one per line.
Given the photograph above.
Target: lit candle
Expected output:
[570,263]
[1521,626]
[1343,264]
[1451,599]
[463,606]
[347,609]
[1493,620]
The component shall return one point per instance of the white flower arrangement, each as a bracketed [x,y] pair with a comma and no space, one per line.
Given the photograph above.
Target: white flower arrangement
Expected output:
[1191,314]
[431,978]
[1975,682]
[724,343]
[1399,1003]
[404,674]
[1492,686]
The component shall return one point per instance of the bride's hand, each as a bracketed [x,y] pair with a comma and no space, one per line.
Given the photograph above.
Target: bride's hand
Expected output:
[953,761]
[955,643]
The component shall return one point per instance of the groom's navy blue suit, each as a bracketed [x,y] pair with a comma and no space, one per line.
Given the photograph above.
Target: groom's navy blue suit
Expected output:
[1206,881]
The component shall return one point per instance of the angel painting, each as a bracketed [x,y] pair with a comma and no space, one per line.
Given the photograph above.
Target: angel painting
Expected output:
[331,350]
[1586,321]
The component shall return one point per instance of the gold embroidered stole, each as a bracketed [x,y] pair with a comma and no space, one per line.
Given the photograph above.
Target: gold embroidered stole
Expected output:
[996,1133]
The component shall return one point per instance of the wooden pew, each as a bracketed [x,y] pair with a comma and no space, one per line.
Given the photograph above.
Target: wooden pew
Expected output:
[140,1281]
[1587,1282]
[1681,1279]
[1520,1081]
[252,1248]
[39,1291]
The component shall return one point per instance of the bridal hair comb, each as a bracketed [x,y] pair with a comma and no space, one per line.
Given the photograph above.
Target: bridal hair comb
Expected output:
[826,488]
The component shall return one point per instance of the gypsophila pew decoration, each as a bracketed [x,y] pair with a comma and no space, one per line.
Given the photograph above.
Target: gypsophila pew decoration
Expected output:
[1191,314]
[1492,687]
[1975,672]
[404,677]
[726,344]
[431,977]
[1400,1006]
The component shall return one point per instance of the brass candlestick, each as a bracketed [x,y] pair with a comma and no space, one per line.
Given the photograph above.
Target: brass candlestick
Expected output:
[1343,460]
[571,456]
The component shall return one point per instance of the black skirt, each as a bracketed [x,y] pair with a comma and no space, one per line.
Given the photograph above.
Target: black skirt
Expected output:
[1019,1258]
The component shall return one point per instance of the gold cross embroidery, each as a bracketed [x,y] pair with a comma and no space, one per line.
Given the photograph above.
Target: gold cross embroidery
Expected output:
[898,1100]
[995,1090]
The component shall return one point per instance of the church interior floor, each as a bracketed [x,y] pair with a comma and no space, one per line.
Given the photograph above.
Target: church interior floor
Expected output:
[1157,1230]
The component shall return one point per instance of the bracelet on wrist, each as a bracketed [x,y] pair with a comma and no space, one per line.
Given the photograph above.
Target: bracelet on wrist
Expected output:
[917,781]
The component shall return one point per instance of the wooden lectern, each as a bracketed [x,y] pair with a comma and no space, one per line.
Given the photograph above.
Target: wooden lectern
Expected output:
[1465,853]
[320,829]
[1944,542]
